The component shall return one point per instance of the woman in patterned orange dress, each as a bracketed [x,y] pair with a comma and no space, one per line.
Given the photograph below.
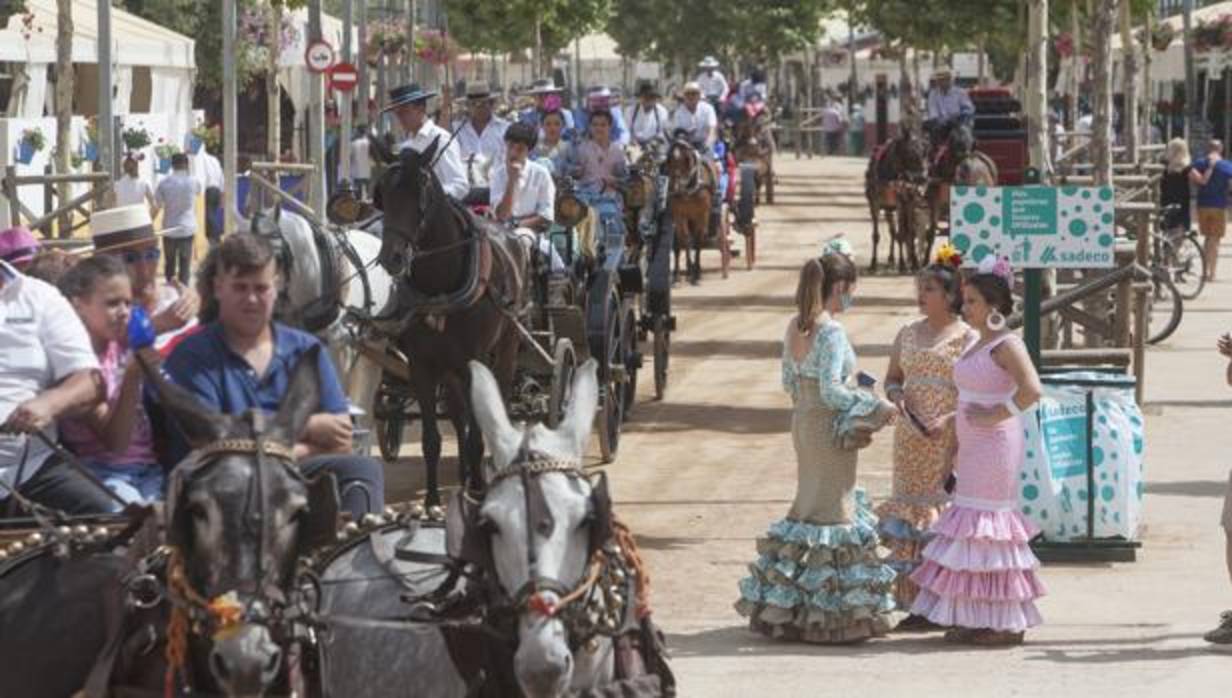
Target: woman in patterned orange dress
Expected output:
[920,382]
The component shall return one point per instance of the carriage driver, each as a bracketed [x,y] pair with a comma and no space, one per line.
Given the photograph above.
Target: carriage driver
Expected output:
[523,193]
[483,132]
[648,120]
[409,104]
[696,120]
[713,85]
[948,106]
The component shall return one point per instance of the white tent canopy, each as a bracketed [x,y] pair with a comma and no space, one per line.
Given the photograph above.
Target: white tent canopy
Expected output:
[136,42]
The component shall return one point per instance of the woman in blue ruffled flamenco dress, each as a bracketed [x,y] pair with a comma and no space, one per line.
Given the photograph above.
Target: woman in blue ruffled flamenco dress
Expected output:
[818,577]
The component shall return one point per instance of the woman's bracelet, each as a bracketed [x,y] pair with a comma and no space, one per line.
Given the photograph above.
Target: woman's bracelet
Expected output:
[892,388]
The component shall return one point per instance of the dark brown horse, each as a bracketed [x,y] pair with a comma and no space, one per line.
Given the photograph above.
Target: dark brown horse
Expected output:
[899,163]
[753,142]
[958,163]
[691,189]
[461,285]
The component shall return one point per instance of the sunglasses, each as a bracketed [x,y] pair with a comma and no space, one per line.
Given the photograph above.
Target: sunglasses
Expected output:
[150,255]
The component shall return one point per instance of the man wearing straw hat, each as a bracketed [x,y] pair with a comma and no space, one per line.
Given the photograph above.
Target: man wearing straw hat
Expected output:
[948,105]
[48,370]
[648,120]
[713,85]
[128,233]
[409,103]
[483,132]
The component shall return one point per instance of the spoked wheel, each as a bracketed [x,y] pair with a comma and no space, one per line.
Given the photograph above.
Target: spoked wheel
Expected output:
[632,358]
[1186,265]
[1166,309]
[611,385]
[662,350]
[391,409]
[564,365]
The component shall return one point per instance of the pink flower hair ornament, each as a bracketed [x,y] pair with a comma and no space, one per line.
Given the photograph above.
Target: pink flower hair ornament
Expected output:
[998,266]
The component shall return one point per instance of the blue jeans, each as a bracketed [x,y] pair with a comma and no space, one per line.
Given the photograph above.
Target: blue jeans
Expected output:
[361,481]
[137,484]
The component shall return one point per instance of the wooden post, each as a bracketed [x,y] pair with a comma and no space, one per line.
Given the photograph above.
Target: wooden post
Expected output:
[1142,256]
[1129,90]
[64,102]
[316,116]
[1191,82]
[105,120]
[230,127]
[362,90]
[344,99]
[1101,135]
[273,92]
[1148,87]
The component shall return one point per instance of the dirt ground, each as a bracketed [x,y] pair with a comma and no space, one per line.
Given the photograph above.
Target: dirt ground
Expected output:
[701,474]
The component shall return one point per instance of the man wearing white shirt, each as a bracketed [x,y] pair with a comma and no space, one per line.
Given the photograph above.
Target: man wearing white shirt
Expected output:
[948,103]
[48,370]
[522,191]
[409,104]
[361,163]
[483,133]
[647,118]
[713,85]
[696,119]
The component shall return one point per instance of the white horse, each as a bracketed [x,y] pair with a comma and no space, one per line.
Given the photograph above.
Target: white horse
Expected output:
[306,283]
[544,664]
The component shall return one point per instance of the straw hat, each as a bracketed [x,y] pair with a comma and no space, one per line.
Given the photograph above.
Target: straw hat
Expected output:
[121,228]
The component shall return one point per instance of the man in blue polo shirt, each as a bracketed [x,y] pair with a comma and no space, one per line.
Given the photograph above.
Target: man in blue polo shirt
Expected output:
[1212,174]
[240,359]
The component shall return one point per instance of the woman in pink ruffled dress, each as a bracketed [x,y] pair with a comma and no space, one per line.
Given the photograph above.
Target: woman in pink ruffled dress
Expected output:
[979,574]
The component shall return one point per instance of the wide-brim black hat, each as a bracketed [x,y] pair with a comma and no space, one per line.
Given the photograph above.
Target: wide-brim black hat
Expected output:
[408,94]
[647,87]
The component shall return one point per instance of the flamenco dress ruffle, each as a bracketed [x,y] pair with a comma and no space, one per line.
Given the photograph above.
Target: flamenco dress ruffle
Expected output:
[904,531]
[819,583]
[979,571]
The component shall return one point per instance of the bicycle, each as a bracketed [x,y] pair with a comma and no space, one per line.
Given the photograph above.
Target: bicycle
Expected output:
[1179,253]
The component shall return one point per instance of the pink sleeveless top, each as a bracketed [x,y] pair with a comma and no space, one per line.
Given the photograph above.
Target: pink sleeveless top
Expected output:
[989,458]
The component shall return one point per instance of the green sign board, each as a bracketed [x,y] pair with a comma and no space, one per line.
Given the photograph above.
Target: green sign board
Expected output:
[1035,227]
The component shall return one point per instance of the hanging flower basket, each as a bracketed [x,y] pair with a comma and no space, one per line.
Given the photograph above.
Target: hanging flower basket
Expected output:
[435,46]
[1064,44]
[135,138]
[386,37]
[1162,35]
[1213,35]
[164,151]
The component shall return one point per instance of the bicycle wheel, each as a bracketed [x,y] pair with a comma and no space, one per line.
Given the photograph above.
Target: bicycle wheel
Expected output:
[1181,258]
[1166,309]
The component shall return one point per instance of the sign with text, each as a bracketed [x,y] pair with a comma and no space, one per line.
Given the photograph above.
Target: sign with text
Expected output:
[1035,227]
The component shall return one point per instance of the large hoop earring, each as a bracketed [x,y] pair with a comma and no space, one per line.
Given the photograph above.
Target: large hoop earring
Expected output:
[995,321]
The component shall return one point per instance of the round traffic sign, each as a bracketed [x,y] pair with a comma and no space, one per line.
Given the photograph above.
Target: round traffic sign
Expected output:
[343,77]
[319,56]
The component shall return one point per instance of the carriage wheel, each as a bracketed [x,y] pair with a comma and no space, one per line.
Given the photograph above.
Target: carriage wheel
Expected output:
[564,363]
[611,395]
[769,180]
[724,241]
[632,358]
[389,419]
[662,350]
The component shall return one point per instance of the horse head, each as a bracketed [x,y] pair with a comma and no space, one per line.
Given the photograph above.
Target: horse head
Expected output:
[681,159]
[239,516]
[406,192]
[962,142]
[539,526]
[911,156]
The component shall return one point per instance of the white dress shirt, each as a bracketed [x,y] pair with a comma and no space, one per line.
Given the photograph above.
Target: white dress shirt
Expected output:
[714,86]
[534,194]
[211,172]
[700,123]
[361,162]
[130,191]
[948,105]
[42,341]
[448,168]
[490,143]
[648,124]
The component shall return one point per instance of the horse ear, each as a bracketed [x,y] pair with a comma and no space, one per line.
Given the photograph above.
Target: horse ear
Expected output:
[199,425]
[430,152]
[576,425]
[488,406]
[302,399]
[377,150]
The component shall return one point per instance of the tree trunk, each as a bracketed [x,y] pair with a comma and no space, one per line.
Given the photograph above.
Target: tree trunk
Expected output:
[273,93]
[1037,86]
[64,105]
[1148,89]
[1075,68]
[1101,142]
[1129,60]
[1192,115]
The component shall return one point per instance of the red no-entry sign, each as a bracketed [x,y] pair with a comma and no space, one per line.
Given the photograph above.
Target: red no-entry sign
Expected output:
[343,77]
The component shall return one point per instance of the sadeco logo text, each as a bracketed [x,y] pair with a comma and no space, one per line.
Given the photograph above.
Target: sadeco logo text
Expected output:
[1051,256]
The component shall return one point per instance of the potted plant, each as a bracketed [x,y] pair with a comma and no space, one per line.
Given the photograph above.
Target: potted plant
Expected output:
[32,141]
[434,46]
[1214,34]
[196,138]
[1162,35]
[135,138]
[164,151]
